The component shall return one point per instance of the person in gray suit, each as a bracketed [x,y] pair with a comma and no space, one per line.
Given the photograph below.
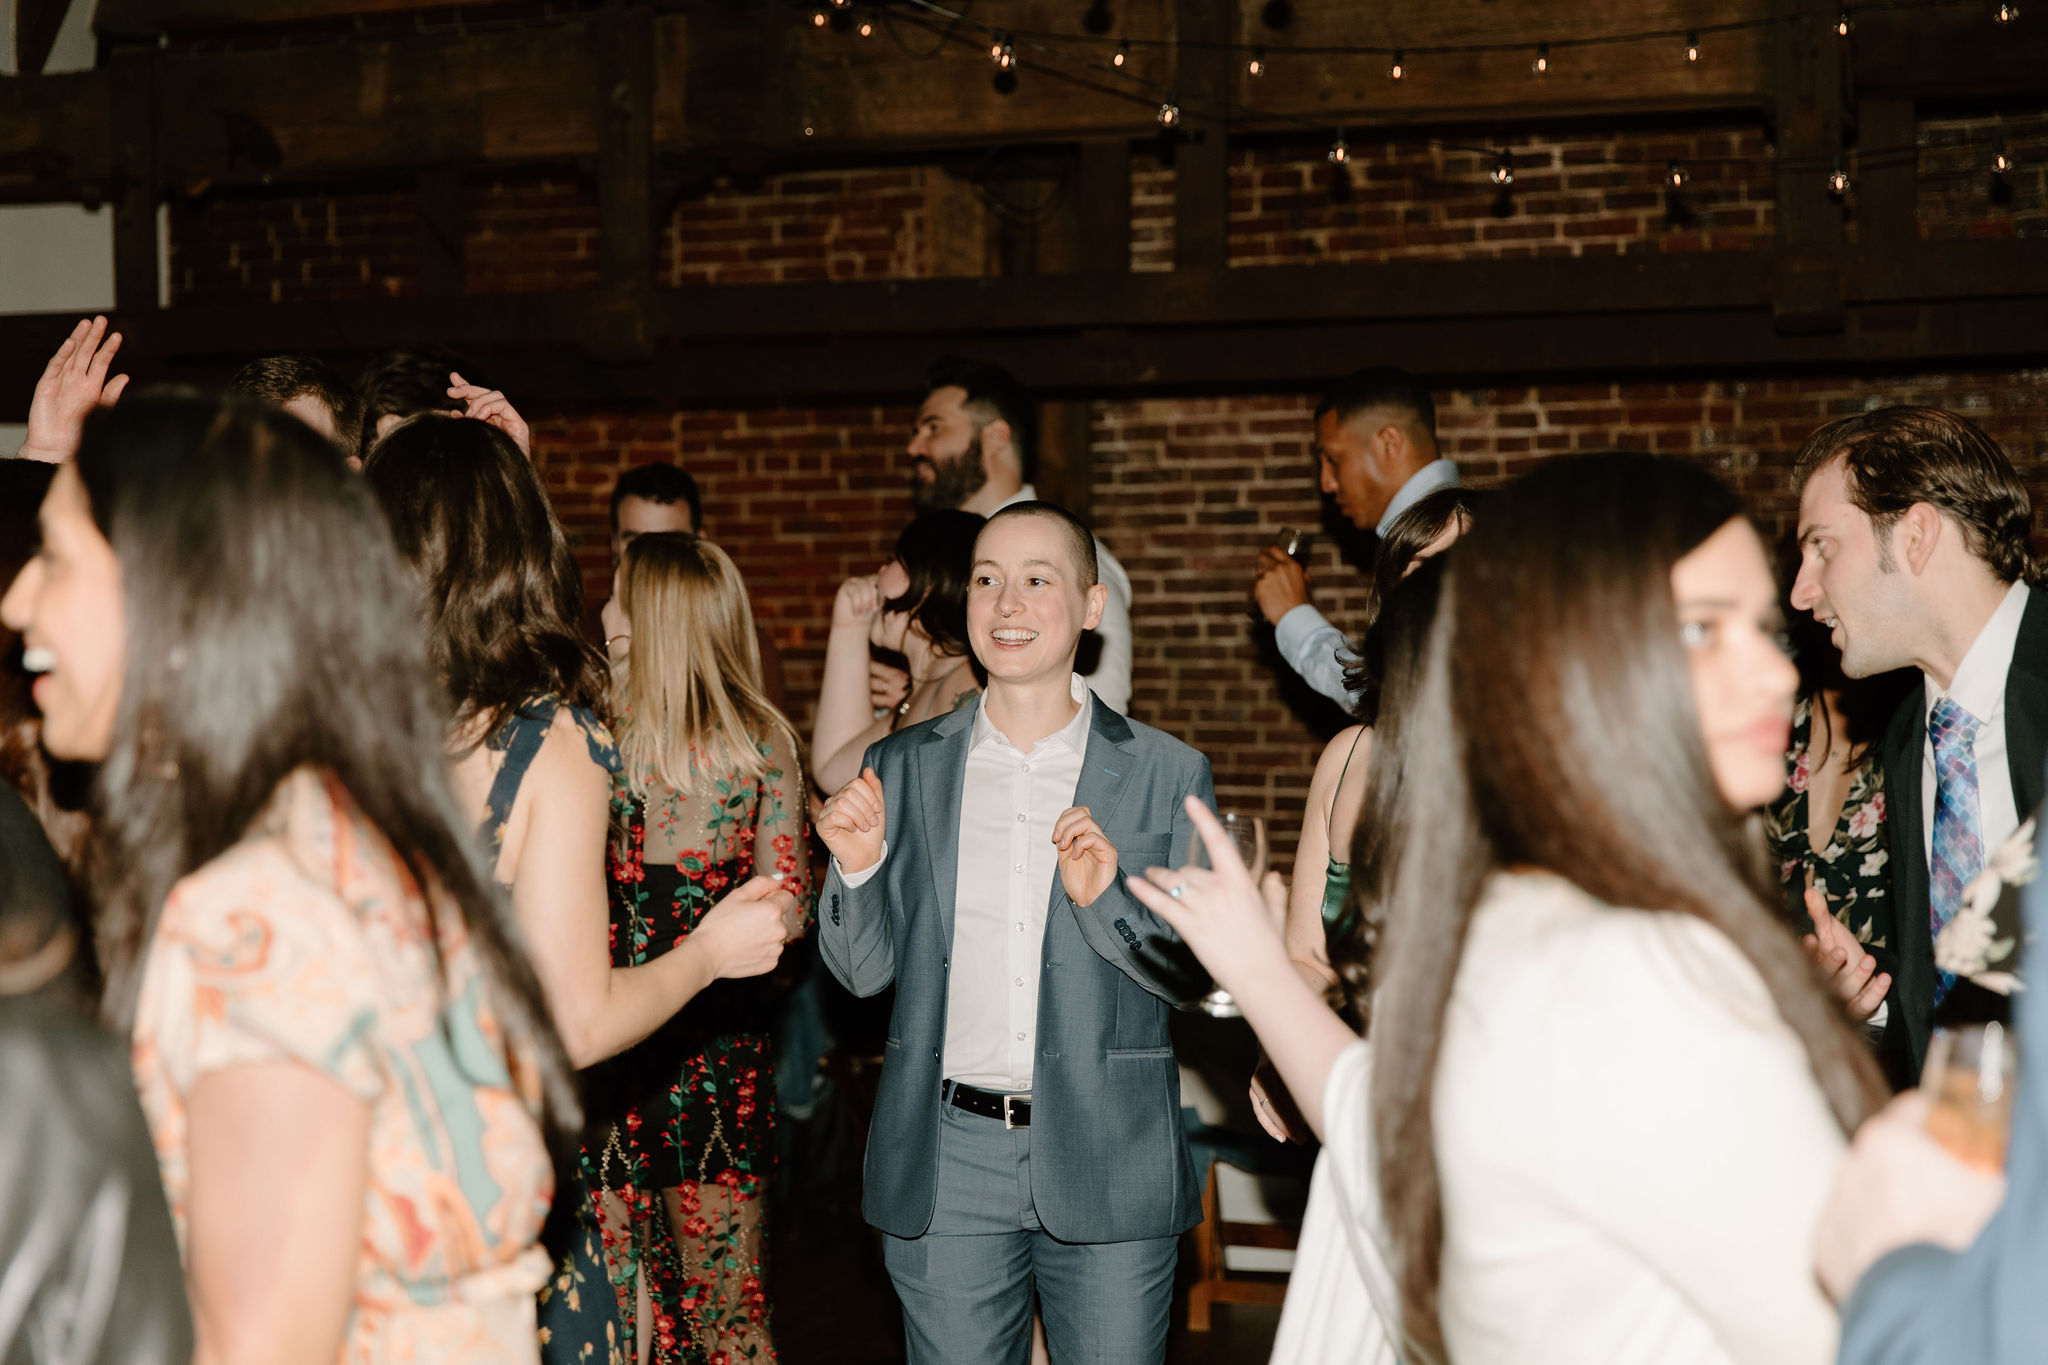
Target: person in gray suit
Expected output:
[1027,1132]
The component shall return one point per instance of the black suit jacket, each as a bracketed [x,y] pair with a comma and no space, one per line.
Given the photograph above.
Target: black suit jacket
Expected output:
[1911,1016]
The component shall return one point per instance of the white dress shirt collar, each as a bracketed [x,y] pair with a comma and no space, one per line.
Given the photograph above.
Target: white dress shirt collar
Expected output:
[1435,475]
[1979,683]
[1074,734]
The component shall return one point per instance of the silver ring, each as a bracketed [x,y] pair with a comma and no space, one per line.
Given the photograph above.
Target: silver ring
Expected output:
[1175,890]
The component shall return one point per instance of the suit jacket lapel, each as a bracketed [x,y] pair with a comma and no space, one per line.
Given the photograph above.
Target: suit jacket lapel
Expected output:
[941,778]
[2026,706]
[1105,767]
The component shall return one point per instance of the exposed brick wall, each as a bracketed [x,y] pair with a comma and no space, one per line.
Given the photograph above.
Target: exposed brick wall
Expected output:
[1186,489]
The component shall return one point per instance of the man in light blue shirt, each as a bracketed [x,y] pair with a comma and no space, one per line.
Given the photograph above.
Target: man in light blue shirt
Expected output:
[1377,457]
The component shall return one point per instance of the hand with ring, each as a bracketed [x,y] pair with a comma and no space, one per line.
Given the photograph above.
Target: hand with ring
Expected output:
[1232,923]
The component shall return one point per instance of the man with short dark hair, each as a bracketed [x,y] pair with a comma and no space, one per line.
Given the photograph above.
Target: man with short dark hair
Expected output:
[1376,455]
[1914,542]
[312,391]
[1027,1139]
[652,498]
[975,447]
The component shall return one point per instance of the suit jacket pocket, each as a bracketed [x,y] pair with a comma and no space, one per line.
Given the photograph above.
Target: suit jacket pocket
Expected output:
[1135,852]
[1126,1054]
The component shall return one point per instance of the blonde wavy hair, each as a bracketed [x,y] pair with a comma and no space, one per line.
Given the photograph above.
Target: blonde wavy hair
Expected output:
[688,696]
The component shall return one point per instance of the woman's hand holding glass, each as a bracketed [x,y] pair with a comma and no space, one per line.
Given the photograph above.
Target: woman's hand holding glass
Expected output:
[1231,920]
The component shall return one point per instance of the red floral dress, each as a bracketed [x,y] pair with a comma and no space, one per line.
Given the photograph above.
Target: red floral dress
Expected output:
[681,1131]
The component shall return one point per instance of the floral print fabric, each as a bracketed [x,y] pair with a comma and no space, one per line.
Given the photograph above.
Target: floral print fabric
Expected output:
[309,942]
[1853,870]
[682,1135]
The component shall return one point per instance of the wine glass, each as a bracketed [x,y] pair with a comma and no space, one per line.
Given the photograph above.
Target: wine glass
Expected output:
[1293,543]
[1248,832]
[1968,1082]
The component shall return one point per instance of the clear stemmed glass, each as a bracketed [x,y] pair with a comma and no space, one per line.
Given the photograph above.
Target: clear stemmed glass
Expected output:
[1248,832]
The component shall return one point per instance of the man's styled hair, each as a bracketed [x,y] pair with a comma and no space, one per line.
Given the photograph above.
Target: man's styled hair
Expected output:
[1080,540]
[665,484]
[1381,386]
[1896,457]
[278,379]
[992,393]
[405,382]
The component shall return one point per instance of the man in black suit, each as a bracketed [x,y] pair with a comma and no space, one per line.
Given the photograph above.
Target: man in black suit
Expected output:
[1914,538]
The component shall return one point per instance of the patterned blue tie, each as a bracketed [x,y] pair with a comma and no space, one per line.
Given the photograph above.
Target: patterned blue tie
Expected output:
[1958,826]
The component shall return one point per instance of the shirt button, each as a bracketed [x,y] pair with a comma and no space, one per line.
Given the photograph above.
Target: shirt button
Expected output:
[1025,768]
[1018,868]
[1020,1037]
[1020,980]
[1020,817]
[1020,926]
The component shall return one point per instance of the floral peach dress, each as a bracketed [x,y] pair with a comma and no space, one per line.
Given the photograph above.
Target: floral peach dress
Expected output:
[309,942]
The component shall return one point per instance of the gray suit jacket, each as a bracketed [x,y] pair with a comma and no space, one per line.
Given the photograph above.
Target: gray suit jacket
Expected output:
[1109,1161]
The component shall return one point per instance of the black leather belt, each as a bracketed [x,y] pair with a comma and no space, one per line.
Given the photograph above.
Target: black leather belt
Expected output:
[1013,1110]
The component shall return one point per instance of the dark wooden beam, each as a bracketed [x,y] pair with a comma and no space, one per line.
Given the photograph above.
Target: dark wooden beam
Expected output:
[442,271]
[1201,163]
[1102,206]
[624,95]
[1808,109]
[1887,180]
[36,25]
[145,18]
[133,72]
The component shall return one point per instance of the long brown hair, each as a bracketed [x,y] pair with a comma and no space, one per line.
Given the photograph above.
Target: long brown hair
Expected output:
[270,626]
[690,700]
[1555,719]
[502,594]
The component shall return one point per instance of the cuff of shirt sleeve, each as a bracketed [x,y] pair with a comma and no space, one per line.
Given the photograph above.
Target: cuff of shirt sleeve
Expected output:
[1298,627]
[866,874]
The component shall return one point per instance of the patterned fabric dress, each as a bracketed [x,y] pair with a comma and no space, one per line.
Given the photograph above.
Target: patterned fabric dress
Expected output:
[681,1135]
[1854,868]
[580,1324]
[308,942]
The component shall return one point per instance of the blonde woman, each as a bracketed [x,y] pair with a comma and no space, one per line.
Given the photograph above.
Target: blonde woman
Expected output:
[710,792]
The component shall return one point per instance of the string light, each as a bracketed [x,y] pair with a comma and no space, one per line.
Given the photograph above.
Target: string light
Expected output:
[1504,170]
[1004,52]
[1123,54]
[1257,65]
[1692,47]
[841,4]
[1541,66]
[820,19]
[867,28]
[1399,67]
[1675,176]
[1842,24]
[1340,151]
[1838,179]
[2000,162]
[1169,112]
[2007,13]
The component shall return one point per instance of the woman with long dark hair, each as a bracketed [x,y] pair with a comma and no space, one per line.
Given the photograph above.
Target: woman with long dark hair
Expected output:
[916,606]
[533,767]
[349,1074]
[1607,1086]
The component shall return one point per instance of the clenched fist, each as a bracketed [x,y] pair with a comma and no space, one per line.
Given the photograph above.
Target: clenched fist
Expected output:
[853,825]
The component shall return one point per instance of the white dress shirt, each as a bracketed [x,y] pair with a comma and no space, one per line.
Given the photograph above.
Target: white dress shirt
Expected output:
[1112,676]
[1436,475]
[1979,688]
[1009,803]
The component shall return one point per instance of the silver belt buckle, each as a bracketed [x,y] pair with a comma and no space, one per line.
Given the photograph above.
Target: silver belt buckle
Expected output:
[1008,1121]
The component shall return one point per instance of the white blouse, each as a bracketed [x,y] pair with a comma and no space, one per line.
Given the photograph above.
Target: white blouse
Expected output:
[1631,1144]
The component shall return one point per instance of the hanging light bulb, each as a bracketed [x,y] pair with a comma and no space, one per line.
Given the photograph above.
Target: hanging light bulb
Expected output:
[1123,54]
[1399,68]
[1692,47]
[1340,151]
[1675,176]
[867,28]
[1169,112]
[1504,169]
[1842,24]
[2007,13]
[819,19]
[841,4]
[1005,53]
[1257,65]
[1541,66]
[1838,179]
[2000,161]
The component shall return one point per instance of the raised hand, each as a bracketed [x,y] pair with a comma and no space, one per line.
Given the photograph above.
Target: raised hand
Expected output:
[744,933]
[1233,924]
[489,405]
[73,384]
[858,602]
[1851,972]
[1086,856]
[853,823]
[1281,585]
